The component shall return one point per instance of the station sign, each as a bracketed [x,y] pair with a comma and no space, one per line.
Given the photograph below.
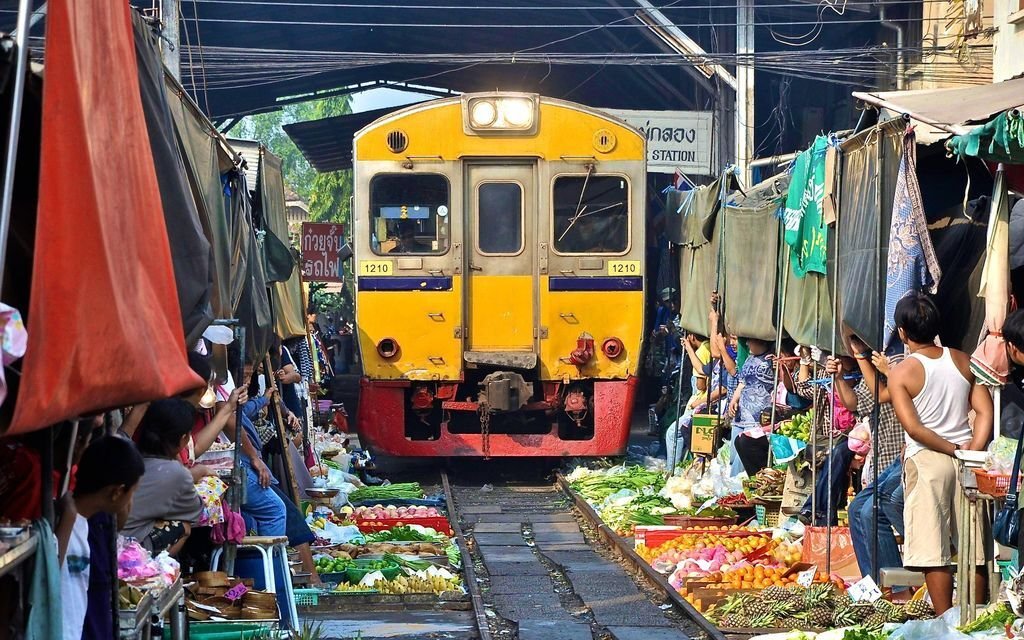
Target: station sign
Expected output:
[321,251]
[676,140]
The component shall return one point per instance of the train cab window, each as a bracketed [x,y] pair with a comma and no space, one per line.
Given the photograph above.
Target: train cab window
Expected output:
[591,214]
[409,214]
[499,221]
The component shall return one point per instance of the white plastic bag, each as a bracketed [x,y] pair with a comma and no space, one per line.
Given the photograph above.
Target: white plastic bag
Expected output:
[935,629]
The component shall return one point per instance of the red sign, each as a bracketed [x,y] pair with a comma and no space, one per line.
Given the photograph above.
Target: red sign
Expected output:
[321,243]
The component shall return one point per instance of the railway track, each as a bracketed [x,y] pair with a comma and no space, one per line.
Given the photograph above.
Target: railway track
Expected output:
[538,567]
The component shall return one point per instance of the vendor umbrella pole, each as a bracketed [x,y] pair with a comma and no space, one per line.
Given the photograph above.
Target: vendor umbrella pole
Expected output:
[784,276]
[282,433]
[237,481]
[876,409]
[672,464]
[17,98]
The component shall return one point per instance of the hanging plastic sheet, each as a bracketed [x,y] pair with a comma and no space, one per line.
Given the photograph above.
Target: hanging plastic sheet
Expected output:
[698,266]
[751,236]
[681,227]
[807,316]
[190,251]
[865,206]
[289,314]
[204,164]
[103,281]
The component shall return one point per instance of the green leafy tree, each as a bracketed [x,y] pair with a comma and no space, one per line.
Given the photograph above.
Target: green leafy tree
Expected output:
[327,194]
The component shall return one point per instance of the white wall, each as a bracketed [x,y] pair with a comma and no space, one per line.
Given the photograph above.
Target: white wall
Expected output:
[1008,54]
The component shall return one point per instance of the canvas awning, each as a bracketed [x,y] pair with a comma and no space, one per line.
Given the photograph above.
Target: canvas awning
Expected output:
[104,324]
[951,110]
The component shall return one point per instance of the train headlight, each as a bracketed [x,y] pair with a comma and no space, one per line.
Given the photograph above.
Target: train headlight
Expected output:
[483,113]
[518,112]
[501,113]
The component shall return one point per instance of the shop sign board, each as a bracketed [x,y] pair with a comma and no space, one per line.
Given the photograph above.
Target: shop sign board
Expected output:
[321,247]
[676,140]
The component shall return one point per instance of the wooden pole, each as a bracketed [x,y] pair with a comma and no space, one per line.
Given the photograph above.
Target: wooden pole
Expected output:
[282,433]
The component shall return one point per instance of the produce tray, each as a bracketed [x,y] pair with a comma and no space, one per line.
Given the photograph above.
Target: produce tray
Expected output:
[403,502]
[653,536]
[439,524]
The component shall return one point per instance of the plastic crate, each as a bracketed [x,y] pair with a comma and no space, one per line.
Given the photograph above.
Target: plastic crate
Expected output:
[1006,568]
[993,484]
[306,597]
[439,524]
[767,516]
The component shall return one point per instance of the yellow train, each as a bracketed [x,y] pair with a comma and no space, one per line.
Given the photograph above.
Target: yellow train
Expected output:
[499,253]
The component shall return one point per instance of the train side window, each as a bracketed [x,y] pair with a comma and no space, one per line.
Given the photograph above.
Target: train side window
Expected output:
[591,214]
[409,214]
[499,212]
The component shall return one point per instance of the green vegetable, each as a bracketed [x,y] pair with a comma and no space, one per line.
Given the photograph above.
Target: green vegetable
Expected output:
[454,555]
[860,633]
[415,565]
[598,487]
[403,533]
[399,491]
[996,616]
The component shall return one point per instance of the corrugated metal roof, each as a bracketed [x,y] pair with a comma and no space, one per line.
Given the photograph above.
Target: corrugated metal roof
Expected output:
[250,152]
[327,143]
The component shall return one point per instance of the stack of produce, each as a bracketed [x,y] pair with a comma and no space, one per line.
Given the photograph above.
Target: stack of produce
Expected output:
[380,512]
[383,494]
[799,427]
[623,515]
[768,483]
[818,606]
[734,538]
[596,486]
[408,533]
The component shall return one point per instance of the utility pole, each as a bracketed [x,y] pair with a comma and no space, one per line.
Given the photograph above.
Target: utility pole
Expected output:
[744,87]
[170,43]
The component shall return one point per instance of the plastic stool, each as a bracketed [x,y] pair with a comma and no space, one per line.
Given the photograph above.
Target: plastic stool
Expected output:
[270,548]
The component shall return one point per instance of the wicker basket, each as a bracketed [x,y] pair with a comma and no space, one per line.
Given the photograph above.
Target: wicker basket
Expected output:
[993,484]
[768,516]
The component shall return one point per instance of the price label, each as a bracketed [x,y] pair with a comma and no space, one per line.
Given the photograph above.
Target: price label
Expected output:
[236,592]
[864,591]
[376,267]
[623,267]
[806,578]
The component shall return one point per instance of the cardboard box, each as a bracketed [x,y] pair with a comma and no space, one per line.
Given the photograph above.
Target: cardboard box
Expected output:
[704,433]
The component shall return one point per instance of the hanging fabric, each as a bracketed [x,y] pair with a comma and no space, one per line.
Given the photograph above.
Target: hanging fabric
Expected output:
[286,290]
[190,250]
[253,309]
[867,185]
[989,361]
[912,264]
[698,256]
[102,279]
[806,231]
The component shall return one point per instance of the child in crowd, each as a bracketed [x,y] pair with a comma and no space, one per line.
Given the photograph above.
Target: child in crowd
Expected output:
[108,474]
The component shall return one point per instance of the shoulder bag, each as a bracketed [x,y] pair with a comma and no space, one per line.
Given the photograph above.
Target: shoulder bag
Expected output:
[1006,526]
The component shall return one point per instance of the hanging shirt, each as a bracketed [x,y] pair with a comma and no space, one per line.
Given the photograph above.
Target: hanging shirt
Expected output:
[806,231]
[74,579]
[757,377]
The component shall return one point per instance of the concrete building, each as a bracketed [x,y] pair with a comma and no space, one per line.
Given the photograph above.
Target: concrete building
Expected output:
[1008,22]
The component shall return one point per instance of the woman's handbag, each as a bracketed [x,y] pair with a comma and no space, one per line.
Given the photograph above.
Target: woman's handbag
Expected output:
[1006,526]
[265,429]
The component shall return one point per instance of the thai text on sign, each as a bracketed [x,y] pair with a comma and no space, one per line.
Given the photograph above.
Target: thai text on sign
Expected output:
[321,244]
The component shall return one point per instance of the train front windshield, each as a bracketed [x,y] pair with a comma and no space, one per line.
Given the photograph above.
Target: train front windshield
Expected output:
[409,214]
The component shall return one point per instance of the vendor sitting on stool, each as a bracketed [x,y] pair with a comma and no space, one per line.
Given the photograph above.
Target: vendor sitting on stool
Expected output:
[166,504]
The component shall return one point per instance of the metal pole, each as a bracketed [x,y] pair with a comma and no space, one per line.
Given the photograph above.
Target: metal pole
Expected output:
[11,153]
[171,42]
[875,412]
[744,87]
[239,482]
[835,380]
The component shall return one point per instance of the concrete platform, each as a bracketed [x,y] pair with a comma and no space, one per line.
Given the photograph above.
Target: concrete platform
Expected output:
[419,625]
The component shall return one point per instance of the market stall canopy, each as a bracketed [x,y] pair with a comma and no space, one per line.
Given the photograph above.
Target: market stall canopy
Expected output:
[327,143]
[952,110]
[104,324]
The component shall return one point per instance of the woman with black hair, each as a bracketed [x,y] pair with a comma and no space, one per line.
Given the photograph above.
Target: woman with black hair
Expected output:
[166,503]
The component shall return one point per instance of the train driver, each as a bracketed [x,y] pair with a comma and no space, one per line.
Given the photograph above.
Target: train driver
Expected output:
[407,242]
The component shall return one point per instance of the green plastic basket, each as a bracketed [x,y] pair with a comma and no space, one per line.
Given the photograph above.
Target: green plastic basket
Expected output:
[357,571]
[306,597]
[1005,567]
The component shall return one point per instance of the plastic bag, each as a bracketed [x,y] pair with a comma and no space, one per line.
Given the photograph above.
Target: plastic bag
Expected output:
[935,629]
[1000,455]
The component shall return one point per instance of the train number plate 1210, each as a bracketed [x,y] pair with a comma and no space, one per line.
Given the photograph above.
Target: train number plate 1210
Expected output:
[623,267]
[376,267]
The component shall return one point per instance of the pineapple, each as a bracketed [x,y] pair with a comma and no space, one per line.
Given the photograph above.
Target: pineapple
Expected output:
[860,612]
[845,617]
[790,623]
[842,601]
[774,594]
[874,621]
[918,610]
[819,617]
